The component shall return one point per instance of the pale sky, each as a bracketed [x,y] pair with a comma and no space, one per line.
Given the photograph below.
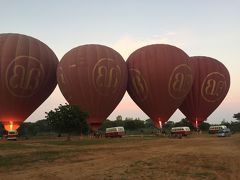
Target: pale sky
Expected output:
[207,27]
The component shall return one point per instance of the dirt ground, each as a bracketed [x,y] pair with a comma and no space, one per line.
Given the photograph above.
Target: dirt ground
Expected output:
[195,157]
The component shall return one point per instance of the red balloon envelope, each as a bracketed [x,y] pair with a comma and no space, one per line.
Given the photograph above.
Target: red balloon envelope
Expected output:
[210,86]
[95,78]
[159,80]
[28,77]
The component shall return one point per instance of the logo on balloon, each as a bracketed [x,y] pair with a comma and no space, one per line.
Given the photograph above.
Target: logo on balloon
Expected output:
[24,75]
[139,84]
[180,81]
[213,87]
[105,76]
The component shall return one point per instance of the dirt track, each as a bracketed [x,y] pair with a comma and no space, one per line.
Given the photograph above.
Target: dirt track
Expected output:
[195,157]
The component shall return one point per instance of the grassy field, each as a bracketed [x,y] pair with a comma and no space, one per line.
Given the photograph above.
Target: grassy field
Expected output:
[143,157]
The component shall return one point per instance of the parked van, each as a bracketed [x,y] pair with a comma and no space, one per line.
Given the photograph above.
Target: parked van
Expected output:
[224,132]
[215,129]
[12,135]
[184,131]
[115,132]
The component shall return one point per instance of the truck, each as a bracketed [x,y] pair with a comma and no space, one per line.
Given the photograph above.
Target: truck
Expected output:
[115,132]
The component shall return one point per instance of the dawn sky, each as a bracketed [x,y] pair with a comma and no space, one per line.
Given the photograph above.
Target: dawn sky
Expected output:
[207,28]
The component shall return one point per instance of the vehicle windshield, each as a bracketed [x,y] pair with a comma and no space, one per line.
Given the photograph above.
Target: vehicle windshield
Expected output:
[224,130]
[12,133]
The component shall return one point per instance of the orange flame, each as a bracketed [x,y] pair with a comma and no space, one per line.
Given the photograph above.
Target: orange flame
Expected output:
[160,123]
[11,126]
[196,123]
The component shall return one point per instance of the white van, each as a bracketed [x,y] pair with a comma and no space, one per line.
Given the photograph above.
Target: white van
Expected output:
[184,131]
[115,132]
[215,129]
[224,133]
[12,135]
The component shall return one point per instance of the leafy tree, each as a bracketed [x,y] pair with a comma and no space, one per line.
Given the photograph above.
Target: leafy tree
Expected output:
[42,126]
[133,124]
[128,124]
[224,122]
[119,123]
[128,118]
[235,126]
[204,126]
[27,129]
[184,122]
[167,126]
[139,123]
[237,116]
[2,130]
[119,118]
[34,128]
[149,124]
[107,124]
[67,119]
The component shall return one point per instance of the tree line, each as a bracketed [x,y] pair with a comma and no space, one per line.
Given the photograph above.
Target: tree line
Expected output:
[70,120]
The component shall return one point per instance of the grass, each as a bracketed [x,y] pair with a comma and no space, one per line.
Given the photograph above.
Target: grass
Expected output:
[81,142]
[137,166]
[11,160]
[204,175]
[152,165]
[21,159]
[13,145]
[58,150]
[87,141]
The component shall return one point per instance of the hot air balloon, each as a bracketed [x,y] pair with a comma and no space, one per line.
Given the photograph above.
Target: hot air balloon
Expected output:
[28,77]
[94,77]
[210,86]
[159,80]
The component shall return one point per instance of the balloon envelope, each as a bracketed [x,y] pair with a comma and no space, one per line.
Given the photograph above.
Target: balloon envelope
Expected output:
[159,80]
[28,77]
[95,78]
[210,86]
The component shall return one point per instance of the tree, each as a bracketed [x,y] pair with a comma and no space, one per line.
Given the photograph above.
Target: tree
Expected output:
[34,128]
[128,118]
[237,116]
[67,119]
[129,124]
[149,124]
[224,122]
[168,126]
[132,125]
[204,126]
[119,118]
[235,127]
[184,122]
[2,130]
[27,129]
